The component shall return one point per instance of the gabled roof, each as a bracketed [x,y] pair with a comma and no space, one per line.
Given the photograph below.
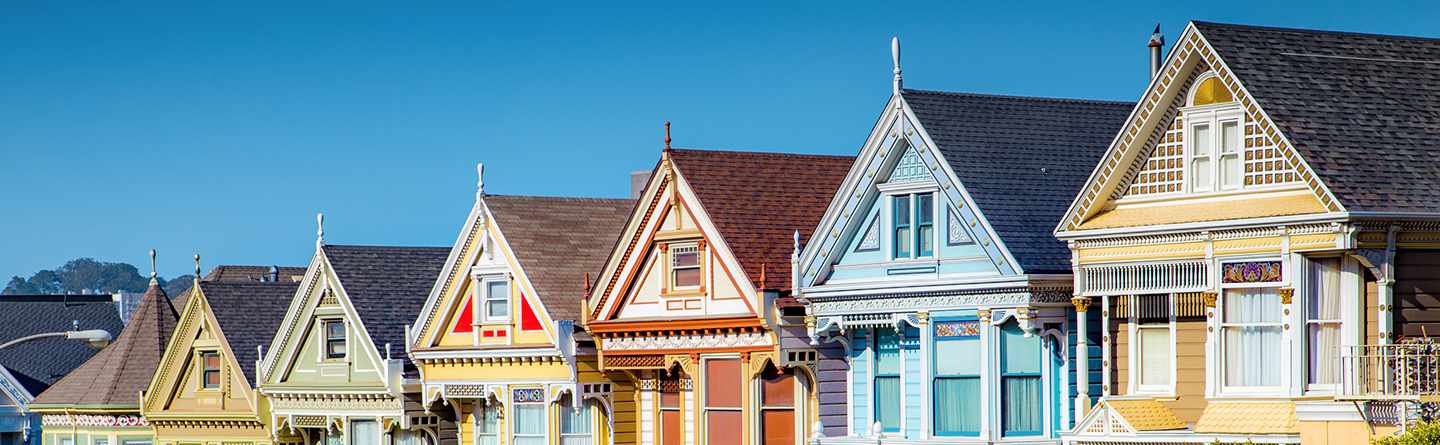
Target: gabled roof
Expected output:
[759,200]
[1362,109]
[249,313]
[387,286]
[117,374]
[557,240]
[1022,159]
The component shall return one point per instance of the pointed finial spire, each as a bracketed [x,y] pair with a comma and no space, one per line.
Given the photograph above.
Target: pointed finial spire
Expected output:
[895,56]
[763,266]
[587,287]
[667,135]
[797,244]
[319,230]
[197,267]
[1156,38]
[479,180]
[153,273]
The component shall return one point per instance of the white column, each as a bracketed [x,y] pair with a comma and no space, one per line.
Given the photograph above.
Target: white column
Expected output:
[1082,358]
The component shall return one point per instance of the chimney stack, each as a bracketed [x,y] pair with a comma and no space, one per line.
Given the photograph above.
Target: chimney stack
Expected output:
[638,179]
[274,274]
[1157,41]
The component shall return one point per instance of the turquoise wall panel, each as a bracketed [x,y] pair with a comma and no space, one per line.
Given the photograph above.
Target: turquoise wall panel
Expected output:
[860,381]
[914,383]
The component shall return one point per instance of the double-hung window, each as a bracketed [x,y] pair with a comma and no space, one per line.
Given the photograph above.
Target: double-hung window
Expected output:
[1251,338]
[1022,403]
[364,432]
[887,379]
[334,339]
[777,406]
[487,424]
[956,385]
[527,426]
[495,293]
[575,424]
[1322,322]
[1155,358]
[685,266]
[724,422]
[671,424]
[913,225]
[1214,147]
[210,369]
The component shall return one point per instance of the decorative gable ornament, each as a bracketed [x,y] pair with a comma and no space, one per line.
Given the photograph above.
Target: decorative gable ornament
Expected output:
[871,241]
[910,168]
[956,234]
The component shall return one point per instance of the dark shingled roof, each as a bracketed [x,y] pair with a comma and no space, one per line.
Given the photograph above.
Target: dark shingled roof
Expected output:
[117,374]
[387,285]
[558,240]
[1363,110]
[1022,159]
[759,200]
[249,313]
[37,364]
[233,273]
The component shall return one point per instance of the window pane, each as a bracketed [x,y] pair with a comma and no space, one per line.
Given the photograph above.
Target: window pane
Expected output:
[687,277]
[1200,172]
[1323,302]
[777,388]
[572,421]
[957,356]
[364,432]
[334,329]
[686,256]
[887,402]
[926,234]
[670,433]
[1230,171]
[887,352]
[1200,140]
[335,348]
[1322,314]
[529,422]
[212,360]
[924,208]
[902,210]
[902,242]
[1155,356]
[1252,306]
[1230,137]
[724,427]
[722,383]
[957,410]
[1246,351]
[901,222]
[1022,405]
[1022,355]
[777,427]
[497,290]
[1324,353]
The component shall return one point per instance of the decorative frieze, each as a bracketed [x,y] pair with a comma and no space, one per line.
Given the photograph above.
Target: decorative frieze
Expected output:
[935,302]
[662,342]
[93,420]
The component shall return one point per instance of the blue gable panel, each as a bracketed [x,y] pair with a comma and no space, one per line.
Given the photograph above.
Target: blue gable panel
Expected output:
[860,382]
[914,384]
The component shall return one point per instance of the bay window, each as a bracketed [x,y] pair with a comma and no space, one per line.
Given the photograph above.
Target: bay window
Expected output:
[912,223]
[887,379]
[724,422]
[956,381]
[1322,322]
[1251,338]
[1022,404]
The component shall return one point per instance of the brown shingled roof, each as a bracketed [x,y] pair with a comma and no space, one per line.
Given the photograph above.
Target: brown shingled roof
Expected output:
[557,240]
[116,375]
[759,200]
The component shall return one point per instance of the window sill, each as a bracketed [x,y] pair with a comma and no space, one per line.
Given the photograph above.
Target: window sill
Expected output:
[684,293]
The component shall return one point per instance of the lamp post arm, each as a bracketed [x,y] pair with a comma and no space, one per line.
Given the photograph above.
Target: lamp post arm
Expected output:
[32,337]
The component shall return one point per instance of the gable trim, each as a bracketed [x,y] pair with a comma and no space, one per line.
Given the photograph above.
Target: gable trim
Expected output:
[168,374]
[302,308]
[1123,150]
[426,329]
[14,390]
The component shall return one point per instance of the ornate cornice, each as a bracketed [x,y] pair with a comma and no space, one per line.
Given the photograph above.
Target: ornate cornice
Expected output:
[936,302]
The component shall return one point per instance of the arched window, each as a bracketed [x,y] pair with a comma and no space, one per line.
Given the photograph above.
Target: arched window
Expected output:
[1213,137]
[1210,91]
[780,391]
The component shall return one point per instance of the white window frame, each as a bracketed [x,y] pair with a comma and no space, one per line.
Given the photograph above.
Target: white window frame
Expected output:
[1214,115]
[482,292]
[670,268]
[584,405]
[1304,309]
[350,432]
[325,339]
[887,238]
[477,417]
[514,419]
[1136,352]
[702,424]
[1221,386]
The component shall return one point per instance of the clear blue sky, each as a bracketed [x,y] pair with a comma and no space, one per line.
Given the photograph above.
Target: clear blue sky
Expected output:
[222,129]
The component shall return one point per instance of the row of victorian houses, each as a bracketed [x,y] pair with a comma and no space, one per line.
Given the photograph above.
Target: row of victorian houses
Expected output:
[1250,252]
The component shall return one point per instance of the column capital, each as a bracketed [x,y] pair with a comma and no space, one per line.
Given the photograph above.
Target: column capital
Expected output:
[1082,304]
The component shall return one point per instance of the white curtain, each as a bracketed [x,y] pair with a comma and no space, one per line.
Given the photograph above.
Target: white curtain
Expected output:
[1322,316]
[529,424]
[1252,327]
[1155,355]
[574,425]
[486,425]
[364,432]
[410,437]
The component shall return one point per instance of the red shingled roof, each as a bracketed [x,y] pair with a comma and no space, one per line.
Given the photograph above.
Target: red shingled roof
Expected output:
[116,375]
[759,200]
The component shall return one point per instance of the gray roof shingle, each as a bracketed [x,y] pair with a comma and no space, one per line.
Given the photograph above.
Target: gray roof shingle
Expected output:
[557,240]
[249,313]
[116,375]
[1022,159]
[387,285]
[40,363]
[1362,109]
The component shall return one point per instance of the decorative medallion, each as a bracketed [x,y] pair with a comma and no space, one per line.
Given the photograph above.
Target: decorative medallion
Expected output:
[960,329]
[528,395]
[957,235]
[1252,272]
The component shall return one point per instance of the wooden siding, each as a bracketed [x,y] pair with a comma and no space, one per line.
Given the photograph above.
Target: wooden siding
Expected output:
[1189,400]
[1417,293]
[831,373]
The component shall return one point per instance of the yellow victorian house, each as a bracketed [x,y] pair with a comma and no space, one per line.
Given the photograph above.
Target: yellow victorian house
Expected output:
[203,390]
[497,343]
[336,370]
[1255,256]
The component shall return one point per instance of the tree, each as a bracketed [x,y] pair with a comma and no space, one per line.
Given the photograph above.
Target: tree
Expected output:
[80,276]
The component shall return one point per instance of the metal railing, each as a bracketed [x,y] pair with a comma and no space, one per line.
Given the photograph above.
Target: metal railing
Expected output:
[1405,371]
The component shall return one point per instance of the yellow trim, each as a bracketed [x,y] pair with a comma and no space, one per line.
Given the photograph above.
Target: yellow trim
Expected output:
[1187,212]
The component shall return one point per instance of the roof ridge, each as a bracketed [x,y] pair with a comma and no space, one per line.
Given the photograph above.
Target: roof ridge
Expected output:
[760,153]
[1315,31]
[582,198]
[1018,97]
[379,246]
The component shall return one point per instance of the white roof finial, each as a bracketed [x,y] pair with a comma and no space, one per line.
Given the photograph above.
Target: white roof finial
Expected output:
[197,267]
[895,55]
[797,244]
[153,272]
[319,230]
[479,180]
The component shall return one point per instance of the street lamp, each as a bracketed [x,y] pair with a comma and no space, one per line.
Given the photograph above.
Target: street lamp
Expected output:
[96,338]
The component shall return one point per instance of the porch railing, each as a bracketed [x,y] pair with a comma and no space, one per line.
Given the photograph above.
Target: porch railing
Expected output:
[1406,371]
